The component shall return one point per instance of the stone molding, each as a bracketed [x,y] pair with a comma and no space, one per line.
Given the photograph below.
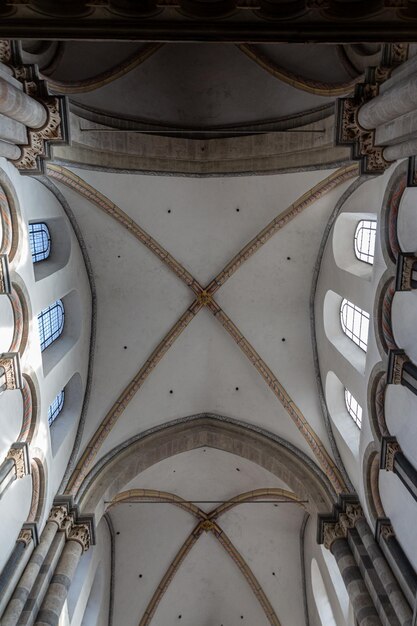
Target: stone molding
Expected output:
[348,129]
[389,448]
[25,536]
[10,362]
[19,453]
[55,130]
[81,534]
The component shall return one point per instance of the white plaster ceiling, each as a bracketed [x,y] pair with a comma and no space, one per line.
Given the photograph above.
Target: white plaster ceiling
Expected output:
[138,301]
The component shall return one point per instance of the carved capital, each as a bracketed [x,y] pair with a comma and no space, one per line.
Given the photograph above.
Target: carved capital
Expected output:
[387,531]
[19,454]
[81,534]
[25,536]
[354,513]
[5,284]
[398,362]
[405,266]
[59,515]
[10,371]
[333,531]
[5,51]
[392,448]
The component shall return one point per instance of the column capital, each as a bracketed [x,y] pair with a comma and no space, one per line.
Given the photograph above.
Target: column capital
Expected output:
[396,362]
[389,448]
[346,513]
[10,362]
[19,453]
[81,534]
[406,263]
[331,532]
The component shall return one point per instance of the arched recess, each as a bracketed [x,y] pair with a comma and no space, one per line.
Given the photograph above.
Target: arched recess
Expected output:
[21,316]
[382,317]
[377,385]
[389,213]
[63,425]
[122,464]
[38,491]
[60,247]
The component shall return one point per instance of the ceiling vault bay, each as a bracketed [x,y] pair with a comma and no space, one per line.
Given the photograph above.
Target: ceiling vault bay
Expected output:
[204,299]
[206,523]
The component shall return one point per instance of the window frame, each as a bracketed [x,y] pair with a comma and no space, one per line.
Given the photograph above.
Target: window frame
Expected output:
[56,325]
[355,412]
[350,332]
[366,256]
[44,253]
[56,407]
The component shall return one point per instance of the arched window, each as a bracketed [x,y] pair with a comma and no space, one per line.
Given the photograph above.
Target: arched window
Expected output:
[354,408]
[355,323]
[51,323]
[56,407]
[40,241]
[365,238]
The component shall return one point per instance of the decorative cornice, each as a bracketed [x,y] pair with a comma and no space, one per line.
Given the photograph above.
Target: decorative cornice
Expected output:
[19,453]
[10,364]
[389,448]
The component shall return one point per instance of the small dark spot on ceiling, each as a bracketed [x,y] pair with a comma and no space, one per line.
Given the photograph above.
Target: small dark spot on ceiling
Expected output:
[288,258]
[118,532]
[237,209]
[237,388]
[171,391]
[140,575]
[237,469]
[169,211]
[283,339]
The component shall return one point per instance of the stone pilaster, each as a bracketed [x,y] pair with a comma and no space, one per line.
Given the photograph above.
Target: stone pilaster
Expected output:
[5,283]
[394,460]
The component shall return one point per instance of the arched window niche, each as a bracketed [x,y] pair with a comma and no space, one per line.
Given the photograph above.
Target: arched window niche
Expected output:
[67,409]
[345,428]
[355,323]
[64,335]
[354,239]
[349,349]
[50,245]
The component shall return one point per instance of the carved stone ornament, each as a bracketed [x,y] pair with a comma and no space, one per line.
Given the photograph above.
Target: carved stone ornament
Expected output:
[392,447]
[25,536]
[37,149]
[5,51]
[331,532]
[387,531]
[407,266]
[354,513]
[59,515]
[18,453]
[81,534]
[10,369]
[397,370]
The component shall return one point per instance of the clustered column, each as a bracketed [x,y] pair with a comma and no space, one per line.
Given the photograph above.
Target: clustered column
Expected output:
[376,597]
[63,541]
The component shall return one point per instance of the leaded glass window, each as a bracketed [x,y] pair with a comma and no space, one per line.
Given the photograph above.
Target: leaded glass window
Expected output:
[51,323]
[355,323]
[55,407]
[40,241]
[354,408]
[365,238]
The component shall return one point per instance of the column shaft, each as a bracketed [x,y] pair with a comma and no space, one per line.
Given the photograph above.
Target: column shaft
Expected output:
[12,570]
[364,609]
[21,107]
[396,101]
[381,567]
[9,150]
[56,595]
[23,589]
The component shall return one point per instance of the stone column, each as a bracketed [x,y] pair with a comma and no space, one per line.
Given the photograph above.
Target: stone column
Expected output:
[17,105]
[15,607]
[15,564]
[78,541]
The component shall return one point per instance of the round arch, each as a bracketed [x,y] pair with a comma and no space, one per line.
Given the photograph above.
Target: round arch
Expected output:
[123,463]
